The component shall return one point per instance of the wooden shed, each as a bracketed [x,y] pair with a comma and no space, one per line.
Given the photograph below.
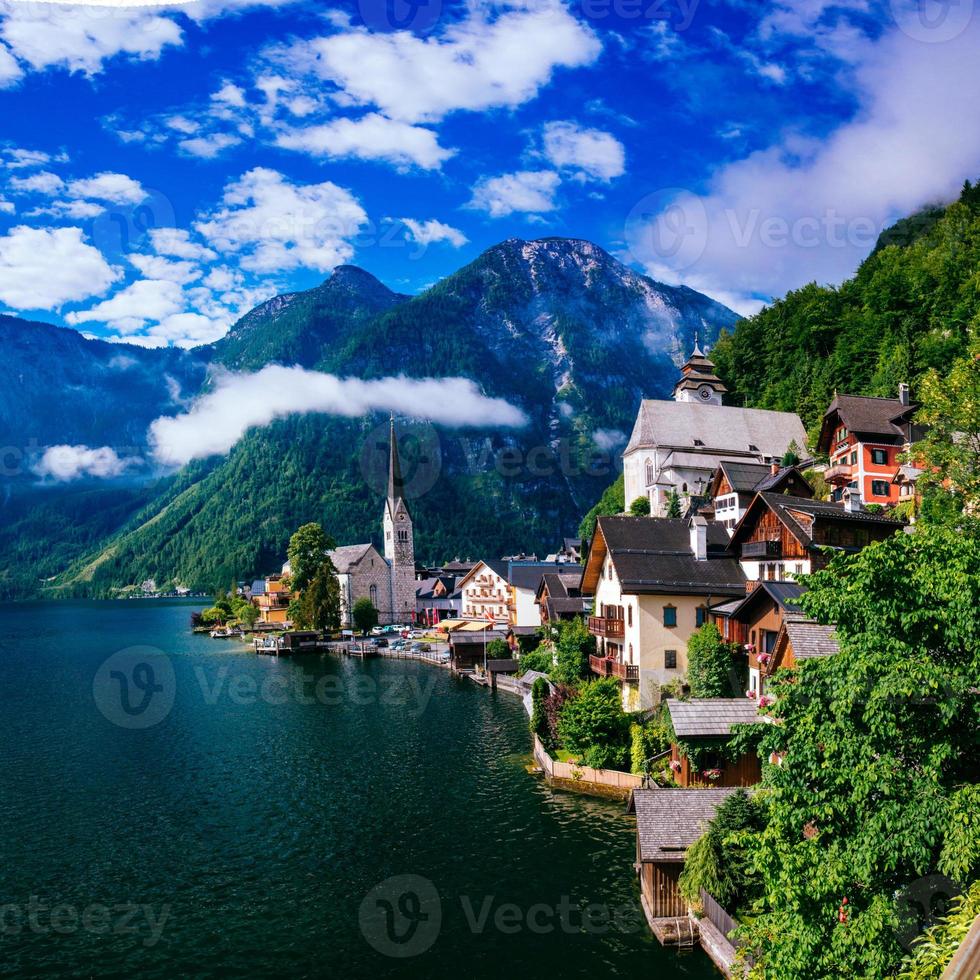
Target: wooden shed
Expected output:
[707,723]
[668,822]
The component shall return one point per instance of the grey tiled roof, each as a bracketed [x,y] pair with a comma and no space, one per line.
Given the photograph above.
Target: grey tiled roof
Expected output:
[669,821]
[744,477]
[808,638]
[652,555]
[349,555]
[711,716]
[721,428]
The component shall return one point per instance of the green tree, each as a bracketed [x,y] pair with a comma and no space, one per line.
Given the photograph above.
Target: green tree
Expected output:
[879,783]
[710,664]
[364,615]
[541,660]
[307,549]
[595,719]
[539,718]
[949,451]
[612,502]
[673,505]
[640,507]
[498,650]
[573,647]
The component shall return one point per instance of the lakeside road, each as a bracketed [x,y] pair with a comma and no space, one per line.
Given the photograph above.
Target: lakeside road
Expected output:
[288,816]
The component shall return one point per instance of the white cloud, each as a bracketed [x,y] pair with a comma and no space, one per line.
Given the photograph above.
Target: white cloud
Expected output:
[44,268]
[372,137]
[608,439]
[7,207]
[43,182]
[527,191]
[240,402]
[77,210]
[275,225]
[10,72]
[65,463]
[189,330]
[176,243]
[20,158]
[82,38]
[431,231]
[475,64]
[157,267]
[133,307]
[112,187]
[591,153]
[807,209]
[209,147]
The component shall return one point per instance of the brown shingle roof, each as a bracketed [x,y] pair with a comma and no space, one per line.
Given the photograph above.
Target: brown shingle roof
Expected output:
[864,417]
[704,717]
[669,821]
[808,638]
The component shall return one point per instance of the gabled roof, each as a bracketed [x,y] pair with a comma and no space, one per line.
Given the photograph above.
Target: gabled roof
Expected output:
[864,417]
[349,555]
[808,638]
[652,556]
[707,717]
[559,585]
[742,475]
[783,594]
[528,576]
[497,567]
[799,514]
[719,428]
[669,821]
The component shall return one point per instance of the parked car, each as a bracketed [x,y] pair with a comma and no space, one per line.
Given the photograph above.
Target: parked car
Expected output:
[425,647]
[381,642]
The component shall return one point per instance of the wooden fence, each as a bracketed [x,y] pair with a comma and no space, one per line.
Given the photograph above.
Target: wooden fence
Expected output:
[569,774]
[717,916]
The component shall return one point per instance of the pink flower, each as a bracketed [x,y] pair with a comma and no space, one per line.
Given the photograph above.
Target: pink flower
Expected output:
[751,694]
[765,701]
[675,765]
[763,658]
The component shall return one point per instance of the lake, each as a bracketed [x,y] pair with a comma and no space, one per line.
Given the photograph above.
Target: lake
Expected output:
[170,804]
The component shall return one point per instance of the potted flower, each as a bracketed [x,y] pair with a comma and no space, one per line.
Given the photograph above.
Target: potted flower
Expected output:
[763,659]
[750,648]
[751,694]
[712,774]
[675,765]
[766,700]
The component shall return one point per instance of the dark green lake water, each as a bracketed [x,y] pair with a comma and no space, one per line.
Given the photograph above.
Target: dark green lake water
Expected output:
[206,812]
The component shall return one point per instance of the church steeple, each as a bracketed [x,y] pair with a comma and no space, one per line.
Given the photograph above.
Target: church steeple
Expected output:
[395,484]
[698,382]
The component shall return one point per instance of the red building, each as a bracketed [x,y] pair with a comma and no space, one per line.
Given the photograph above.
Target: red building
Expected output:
[863,439]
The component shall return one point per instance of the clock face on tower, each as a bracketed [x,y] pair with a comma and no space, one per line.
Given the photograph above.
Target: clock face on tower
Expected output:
[705,392]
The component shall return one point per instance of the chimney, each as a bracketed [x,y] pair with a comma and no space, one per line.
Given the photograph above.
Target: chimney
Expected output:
[852,502]
[699,538]
[774,468]
[903,393]
[751,585]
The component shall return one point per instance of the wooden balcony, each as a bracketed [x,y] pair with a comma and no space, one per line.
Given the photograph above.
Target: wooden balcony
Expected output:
[601,626]
[605,667]
[842,474]
[762,549]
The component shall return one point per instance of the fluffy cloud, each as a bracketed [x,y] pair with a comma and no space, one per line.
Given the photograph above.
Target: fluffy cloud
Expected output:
[111,187]
[807,209]
[10,72]
[43,182]
[531,191]
[44,268]
[475,64]
[242,401]
[372,137]
[210,146]
[275,225]
[157,267]
[176,243]
[590,153]
[20,158]
[188,330]
[133,307]
[83,38]
[431,231]
[65,463]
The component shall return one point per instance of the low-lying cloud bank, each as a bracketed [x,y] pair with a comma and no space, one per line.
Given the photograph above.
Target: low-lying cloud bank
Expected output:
[240,402]
[63,464]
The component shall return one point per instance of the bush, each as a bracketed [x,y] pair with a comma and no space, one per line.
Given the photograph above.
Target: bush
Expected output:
[573,648]
[539,717]
[364,615]
[604,757]
[498,650]
[595,719]
[541,660]
[640,507]
[709,663]
[649,740]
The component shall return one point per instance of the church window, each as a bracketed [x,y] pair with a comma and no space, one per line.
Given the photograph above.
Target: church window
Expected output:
[402,535]
[649,472]
[684,488]
[374,596]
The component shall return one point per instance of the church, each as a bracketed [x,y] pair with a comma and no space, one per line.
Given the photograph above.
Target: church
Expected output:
[387,580]
[677,444]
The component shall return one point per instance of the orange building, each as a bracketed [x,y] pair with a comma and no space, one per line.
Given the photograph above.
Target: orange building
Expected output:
[272,600]
[863,439]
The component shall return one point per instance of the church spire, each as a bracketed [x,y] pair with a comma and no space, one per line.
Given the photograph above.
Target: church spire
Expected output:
[395,483]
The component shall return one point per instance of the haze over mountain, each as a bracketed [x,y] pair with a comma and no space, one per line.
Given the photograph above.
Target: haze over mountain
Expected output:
[556,327]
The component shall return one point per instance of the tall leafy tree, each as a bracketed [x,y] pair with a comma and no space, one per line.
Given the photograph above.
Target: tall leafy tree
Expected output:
[880,748]
[307,550]
[364,615]
[710,667]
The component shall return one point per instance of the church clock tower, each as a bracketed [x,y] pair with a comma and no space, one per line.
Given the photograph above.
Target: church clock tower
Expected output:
[399,539]
[698,382]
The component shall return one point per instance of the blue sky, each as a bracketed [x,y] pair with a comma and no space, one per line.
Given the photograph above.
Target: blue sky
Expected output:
[166,168]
